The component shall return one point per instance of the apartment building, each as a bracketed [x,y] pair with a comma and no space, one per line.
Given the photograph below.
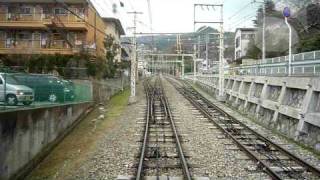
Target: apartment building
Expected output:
[243,36]
[115,29]
[51,27]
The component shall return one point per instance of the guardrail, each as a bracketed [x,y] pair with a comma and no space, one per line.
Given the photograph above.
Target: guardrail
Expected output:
[20,17]
[303,64]
[29,46]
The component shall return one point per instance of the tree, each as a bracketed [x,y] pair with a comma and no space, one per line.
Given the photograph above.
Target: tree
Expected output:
[309,44]
[270,6]
[270,10]
[113,49]
[253,51]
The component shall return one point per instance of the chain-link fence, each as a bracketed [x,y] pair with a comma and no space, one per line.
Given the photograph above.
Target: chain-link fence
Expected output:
[25,90]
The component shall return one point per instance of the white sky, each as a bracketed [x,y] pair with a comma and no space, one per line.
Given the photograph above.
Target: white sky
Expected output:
[177,15]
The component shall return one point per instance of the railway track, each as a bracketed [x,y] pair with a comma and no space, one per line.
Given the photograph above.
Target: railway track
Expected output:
[161,153]
[274,160]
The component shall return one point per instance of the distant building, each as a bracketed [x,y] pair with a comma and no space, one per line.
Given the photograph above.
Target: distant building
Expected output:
[243,36]
[115,28]
[65,27]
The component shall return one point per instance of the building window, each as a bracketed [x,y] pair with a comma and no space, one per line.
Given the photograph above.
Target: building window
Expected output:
[26,10]
[81,12]
[60,11]
[238,54]
[24,36]
[237,42]
[247,36]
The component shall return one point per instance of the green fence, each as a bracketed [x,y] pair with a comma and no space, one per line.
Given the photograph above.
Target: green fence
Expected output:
[22,90]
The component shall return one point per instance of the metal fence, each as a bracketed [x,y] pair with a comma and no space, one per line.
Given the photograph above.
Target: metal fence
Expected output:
[21,90]
[303,64]
[38,17]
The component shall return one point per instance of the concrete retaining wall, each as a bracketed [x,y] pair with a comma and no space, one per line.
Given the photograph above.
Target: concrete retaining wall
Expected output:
[26,135]
[290,105]
[105,89]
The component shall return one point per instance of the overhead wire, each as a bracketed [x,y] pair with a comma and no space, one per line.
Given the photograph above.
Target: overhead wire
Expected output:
[66,7]
[243,8]
[243,21]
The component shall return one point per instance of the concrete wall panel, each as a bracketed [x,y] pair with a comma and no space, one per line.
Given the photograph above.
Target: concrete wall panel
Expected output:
[25,134]
[290,105]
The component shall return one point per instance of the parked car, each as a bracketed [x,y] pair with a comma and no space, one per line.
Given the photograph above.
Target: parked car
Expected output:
[71,87]
[47,87]
[12,92]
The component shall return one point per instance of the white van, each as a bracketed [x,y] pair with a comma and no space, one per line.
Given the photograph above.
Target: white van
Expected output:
[12,93]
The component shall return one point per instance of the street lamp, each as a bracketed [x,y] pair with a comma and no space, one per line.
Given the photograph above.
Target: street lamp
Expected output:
[287,14]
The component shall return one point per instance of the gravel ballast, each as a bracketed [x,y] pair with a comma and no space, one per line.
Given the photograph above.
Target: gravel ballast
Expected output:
[116,151]
[211,154]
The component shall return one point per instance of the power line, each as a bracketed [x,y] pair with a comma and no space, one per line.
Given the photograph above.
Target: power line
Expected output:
[66,7]
[131,5]
[145,25]
[243,17]
[243,21]
[243,8]
[150,14]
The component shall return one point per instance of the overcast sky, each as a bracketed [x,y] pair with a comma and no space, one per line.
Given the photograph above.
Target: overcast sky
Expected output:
[177,15]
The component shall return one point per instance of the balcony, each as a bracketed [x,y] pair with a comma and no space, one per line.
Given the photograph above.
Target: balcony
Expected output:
[38,47]
[41,21]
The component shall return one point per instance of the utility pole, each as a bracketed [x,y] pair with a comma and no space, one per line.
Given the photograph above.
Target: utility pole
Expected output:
[263,28]
[132,98]
[179,51]
[221,59]
[194,63]
[264,32]
[207,51]
[199,48]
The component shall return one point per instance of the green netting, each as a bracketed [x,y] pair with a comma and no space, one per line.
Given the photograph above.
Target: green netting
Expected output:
[83,92]
[18,90]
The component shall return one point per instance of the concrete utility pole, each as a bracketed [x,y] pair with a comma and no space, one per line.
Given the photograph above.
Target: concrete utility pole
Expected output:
[221,59]
[132,98]
[263,28]
[194,64]
[179,51]
[199,48]
[264,32]
[182,67]
[207,51]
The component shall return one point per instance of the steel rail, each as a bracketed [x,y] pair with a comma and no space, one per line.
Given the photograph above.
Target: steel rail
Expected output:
[238,143]
[185,167]
[281,149]
[146,133]
[186,93]
[151,93]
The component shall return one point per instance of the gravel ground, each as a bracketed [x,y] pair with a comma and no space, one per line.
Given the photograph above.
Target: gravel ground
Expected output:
[115,153]
[211,155]
[294,148]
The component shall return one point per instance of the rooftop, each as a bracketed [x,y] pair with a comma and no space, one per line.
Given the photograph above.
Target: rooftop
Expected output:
[246,29]
[117,22]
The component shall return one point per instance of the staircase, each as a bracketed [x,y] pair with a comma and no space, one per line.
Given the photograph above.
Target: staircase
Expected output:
[58,25]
